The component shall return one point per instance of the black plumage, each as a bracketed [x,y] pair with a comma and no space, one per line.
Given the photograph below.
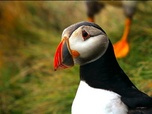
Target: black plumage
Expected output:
[105,73]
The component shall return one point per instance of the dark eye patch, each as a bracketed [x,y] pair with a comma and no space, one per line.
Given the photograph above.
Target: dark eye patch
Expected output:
[85,35]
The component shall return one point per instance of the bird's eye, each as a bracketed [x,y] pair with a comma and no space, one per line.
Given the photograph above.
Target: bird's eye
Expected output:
[85,35]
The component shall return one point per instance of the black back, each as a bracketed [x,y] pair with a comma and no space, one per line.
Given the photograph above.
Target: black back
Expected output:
[105,73]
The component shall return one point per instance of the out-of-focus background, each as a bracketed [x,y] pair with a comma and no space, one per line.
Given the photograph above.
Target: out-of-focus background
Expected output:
[29,35]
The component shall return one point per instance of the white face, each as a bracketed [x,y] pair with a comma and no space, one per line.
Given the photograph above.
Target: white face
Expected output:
[90,42]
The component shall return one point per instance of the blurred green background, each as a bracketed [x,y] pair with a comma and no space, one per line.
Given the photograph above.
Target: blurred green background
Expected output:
[29,35]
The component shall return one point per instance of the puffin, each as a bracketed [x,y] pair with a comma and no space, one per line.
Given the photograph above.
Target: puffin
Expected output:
[104,87]
[121,47]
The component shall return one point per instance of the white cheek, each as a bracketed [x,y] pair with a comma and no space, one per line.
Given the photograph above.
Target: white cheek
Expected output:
[86,48]
[75,43]
[89,47]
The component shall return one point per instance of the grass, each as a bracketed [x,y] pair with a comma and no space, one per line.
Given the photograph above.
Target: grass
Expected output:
[30,34]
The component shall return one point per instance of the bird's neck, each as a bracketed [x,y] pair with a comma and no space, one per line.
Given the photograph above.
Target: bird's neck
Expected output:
[97,73]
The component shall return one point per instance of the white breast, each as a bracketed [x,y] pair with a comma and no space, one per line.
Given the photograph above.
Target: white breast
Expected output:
[89,100]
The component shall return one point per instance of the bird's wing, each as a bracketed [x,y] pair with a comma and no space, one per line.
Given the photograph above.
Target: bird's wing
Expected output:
[133,97]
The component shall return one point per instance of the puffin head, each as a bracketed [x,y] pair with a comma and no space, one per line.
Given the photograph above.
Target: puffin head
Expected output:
[81,43]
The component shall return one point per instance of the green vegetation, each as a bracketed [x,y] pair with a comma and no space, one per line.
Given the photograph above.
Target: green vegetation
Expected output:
[29,35]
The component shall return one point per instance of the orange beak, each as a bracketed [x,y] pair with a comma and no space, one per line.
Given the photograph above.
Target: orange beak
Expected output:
[63,57]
